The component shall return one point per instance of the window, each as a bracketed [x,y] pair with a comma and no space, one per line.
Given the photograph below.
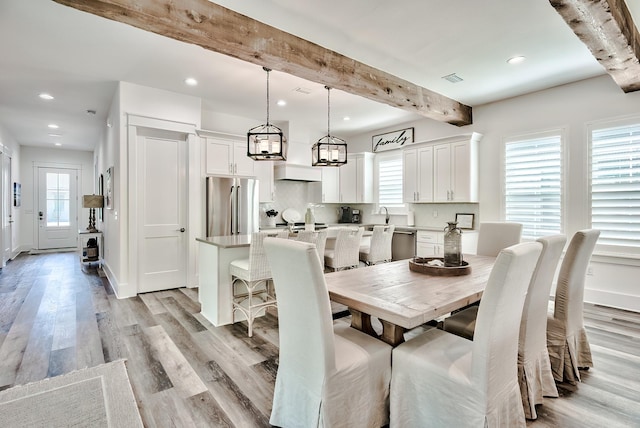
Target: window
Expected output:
[390,180]
[58,204]
[533,184]
[615,185]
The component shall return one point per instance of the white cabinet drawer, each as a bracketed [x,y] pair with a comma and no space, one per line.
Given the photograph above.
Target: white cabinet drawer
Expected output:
[429,237]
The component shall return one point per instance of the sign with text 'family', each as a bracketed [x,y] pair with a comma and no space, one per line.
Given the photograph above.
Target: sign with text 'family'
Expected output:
[392,140]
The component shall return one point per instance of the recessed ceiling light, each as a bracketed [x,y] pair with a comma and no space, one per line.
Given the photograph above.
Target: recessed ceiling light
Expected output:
[190,81]
[282,103]
[346,118]
[46,96]
[55,135]
[516,59]
[53,126]
[57,144]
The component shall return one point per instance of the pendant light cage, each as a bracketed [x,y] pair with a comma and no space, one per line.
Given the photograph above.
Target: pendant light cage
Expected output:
[266,142]
[329,150]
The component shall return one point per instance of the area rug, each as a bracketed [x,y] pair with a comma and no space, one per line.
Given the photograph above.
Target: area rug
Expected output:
[98,396]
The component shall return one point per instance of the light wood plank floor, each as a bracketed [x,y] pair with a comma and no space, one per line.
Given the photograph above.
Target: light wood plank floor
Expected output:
[55,318]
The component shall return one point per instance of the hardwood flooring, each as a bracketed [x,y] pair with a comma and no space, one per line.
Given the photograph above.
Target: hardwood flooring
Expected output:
[56,318]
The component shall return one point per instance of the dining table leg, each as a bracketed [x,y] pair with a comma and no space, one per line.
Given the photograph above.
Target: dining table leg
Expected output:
[391,333]
[361,321]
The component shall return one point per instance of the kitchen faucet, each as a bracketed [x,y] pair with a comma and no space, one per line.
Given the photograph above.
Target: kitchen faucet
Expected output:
[386,216]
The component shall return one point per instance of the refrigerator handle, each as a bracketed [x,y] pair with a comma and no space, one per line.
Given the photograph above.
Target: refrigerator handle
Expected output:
[237,219]
[231,213]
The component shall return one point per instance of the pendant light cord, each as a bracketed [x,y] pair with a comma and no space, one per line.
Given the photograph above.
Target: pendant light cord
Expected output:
[328,111]
[267,70]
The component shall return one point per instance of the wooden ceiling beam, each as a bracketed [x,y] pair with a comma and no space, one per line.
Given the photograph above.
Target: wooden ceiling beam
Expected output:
[222,30]
[608,30]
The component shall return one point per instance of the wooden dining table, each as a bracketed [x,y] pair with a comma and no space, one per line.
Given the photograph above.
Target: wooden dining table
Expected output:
[403,299]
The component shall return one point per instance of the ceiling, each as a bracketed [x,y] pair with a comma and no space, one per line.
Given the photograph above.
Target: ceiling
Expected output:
[79,58]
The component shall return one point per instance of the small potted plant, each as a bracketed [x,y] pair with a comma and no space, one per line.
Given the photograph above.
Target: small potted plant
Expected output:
[271,217]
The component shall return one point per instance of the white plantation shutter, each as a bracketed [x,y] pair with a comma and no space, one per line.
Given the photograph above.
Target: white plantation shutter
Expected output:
[390,181]
[615,185]
[533,184]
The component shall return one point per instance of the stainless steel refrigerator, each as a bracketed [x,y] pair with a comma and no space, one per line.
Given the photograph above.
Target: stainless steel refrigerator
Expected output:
[232,206]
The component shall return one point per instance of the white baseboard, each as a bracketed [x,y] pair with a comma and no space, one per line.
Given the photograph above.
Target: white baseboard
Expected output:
[121,289]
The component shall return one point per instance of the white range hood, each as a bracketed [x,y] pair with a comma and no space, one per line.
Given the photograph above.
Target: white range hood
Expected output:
[294,172]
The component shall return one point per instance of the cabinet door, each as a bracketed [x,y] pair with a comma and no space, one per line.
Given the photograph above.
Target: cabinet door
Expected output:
[348,177]
[464,181]
[425,175]
[442,173]
[264,174]
[243,164]
[219,157]
[330,185]
[364,178]
[409,175]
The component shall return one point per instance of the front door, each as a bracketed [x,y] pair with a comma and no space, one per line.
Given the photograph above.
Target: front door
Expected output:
[162,210]
[57,208]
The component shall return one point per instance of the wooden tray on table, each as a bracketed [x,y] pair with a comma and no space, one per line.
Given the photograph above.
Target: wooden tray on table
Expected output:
[420,265]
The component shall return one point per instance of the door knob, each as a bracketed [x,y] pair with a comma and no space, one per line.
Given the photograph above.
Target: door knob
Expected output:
[182,229]
[40,214]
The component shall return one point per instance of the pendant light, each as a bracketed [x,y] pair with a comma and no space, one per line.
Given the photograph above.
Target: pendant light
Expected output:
[329,151]
[266,142]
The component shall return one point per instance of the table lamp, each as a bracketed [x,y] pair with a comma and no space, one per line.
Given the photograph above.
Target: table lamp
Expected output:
[92,202]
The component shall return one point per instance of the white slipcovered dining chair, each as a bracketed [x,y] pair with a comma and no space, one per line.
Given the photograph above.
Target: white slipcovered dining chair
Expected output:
[567,341]
[319,239]
[329,375]
[534,368]
[345,254]
[493,236]
[250,281]
[379,249]
[443,380]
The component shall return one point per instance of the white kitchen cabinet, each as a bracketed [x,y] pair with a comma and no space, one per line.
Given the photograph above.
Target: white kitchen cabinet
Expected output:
[417,176]
[431,243]
[264,174]
[227,157]
[328,190]
[356,179]
[455,172]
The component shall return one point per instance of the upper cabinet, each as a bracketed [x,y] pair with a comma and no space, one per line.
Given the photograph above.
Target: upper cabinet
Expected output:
[264,174]
[442,172]
[418,174]
[328,190]
[227,157]
[455,172]
[356,179]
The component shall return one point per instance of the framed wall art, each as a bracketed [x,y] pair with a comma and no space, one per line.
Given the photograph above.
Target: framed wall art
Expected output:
[108,197]
[465,221]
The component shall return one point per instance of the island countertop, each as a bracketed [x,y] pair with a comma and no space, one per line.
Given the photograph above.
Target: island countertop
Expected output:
[231,241]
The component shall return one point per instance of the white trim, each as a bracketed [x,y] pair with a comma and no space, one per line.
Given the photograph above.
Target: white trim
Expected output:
[627,302]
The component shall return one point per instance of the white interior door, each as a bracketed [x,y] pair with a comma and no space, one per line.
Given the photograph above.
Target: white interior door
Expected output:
[7,220]
[57,208]
[162,210]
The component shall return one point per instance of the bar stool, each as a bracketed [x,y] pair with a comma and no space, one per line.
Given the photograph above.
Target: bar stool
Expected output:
[252,274]
[379,250]
[346,253]
[318,238]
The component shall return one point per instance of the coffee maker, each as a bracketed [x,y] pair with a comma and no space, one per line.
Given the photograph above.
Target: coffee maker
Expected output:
[355,216]
[346,215]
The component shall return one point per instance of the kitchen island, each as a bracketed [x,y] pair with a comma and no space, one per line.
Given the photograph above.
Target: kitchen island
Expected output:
[215,292]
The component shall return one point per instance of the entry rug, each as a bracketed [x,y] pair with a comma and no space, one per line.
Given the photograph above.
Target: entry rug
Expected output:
[98,396]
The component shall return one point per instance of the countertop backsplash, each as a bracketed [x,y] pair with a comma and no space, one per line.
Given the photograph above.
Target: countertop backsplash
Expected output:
[295,195]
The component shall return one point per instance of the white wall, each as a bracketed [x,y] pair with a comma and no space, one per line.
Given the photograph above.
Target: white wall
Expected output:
[29,158]
[570,107]
[132,99]
[7,140]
